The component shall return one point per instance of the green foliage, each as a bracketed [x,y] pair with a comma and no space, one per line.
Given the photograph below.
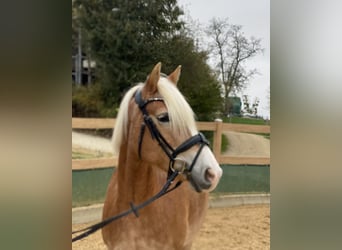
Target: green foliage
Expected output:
[210,137]
[81,155]
[224,143]
[243,120]
[197,82]
[127,38]
[88,102]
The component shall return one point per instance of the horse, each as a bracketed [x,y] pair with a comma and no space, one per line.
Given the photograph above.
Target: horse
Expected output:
[146,159]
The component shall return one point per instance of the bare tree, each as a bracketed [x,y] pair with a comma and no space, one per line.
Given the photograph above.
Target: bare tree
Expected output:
[230,49]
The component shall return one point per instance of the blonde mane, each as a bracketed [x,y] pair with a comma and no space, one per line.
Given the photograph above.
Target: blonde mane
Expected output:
[181,115]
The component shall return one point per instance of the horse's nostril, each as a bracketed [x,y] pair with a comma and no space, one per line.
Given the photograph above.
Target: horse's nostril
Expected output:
[209,175]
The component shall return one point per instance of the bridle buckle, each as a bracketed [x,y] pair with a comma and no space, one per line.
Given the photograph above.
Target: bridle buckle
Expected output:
[179,165]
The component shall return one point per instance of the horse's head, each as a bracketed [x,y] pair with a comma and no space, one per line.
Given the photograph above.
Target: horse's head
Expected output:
[158,125]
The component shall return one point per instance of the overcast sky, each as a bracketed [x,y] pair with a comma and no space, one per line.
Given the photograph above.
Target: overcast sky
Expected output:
[254,16]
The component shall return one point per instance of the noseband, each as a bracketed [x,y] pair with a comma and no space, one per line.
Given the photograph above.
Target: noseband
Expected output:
[169,150]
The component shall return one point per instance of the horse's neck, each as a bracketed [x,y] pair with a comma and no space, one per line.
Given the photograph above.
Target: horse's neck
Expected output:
[182,210]
[137,180]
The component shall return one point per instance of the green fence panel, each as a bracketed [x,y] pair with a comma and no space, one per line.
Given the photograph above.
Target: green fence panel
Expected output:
[244,179]
[90,186]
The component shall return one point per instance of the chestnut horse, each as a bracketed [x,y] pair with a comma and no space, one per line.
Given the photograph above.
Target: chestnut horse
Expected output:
[145,155]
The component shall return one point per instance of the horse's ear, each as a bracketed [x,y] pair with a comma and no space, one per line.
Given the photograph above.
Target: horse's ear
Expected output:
[174,76]
[153,78]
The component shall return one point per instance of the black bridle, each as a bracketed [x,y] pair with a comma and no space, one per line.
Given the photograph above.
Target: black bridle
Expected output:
[198,139]
[172,172]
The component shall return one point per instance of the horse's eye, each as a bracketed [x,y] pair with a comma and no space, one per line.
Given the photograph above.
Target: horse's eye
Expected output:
[163,117]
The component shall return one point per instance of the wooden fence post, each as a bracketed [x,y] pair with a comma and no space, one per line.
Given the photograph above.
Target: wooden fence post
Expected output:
[217,140]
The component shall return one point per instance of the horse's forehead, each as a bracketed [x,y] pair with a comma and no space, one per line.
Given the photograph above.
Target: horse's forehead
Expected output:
[156,107]
[151,107]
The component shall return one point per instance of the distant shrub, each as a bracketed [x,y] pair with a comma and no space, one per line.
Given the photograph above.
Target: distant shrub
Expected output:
[88,102]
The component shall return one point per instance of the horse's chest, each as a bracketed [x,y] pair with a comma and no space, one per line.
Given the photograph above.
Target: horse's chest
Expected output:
[149,233]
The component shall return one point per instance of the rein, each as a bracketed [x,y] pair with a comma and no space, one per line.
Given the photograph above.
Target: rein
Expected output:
[134,209]
[172,172]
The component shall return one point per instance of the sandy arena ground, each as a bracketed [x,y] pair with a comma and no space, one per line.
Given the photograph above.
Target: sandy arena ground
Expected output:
[233,228]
